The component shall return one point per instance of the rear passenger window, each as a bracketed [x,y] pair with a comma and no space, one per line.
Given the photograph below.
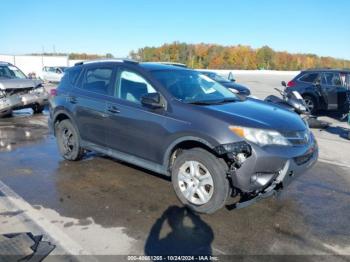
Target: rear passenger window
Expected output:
[97,80]
[309,78]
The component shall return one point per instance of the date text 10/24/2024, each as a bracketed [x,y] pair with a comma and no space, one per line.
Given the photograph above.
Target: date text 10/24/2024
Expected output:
[173,258]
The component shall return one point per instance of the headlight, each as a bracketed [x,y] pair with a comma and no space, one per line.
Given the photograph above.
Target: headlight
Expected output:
[261,137]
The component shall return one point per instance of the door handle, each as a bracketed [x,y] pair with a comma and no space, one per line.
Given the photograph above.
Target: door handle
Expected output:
[113,109]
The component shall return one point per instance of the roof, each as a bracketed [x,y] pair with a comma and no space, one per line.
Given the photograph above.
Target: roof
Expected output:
[4,63]
[150,66]
[112,60]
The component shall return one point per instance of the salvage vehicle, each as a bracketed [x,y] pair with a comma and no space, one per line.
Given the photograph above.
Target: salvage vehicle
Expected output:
[18,92]
[229,83]
[182,124]
[53,73]
[322,89]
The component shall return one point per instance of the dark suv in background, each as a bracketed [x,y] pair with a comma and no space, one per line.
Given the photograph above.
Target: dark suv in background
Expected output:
[322,89]
[228,83]
[180,123]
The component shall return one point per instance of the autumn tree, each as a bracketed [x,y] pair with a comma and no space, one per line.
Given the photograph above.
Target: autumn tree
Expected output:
[234,57]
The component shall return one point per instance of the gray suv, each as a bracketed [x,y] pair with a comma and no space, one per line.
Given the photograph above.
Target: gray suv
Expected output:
[182,124]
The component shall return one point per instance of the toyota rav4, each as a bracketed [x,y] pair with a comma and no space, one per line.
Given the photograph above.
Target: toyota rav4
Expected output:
[182,124]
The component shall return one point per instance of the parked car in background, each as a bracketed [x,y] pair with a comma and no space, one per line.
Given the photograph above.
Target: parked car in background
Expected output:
[228,83]
[17,91]
[180,123]
[322,89]
[53,73]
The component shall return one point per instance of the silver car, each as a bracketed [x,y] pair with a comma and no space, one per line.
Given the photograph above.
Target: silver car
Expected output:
[17,91]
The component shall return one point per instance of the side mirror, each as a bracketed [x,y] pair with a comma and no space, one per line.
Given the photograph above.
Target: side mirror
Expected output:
[231,78]
[283,83]
[152,100]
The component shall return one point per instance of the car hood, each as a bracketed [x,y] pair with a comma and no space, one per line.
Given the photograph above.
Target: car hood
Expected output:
[238,87]
[18,83]
[257,114]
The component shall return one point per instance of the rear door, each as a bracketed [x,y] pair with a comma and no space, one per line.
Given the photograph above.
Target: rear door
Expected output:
[90,99]
[131,127]
[333,90]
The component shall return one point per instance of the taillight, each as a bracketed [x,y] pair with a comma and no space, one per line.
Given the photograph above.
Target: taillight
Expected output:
[291,84]
[53,92]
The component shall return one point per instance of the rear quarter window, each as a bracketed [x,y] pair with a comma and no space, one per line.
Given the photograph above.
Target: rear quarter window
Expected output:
[309,77]
[70,77]
[73,75]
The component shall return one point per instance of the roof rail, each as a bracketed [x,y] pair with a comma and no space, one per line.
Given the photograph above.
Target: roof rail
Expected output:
[326,68]
[319,68]
[104,60]
[170,63]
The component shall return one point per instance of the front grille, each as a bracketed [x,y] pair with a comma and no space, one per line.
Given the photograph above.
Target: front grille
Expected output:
[298,138]
[301,160]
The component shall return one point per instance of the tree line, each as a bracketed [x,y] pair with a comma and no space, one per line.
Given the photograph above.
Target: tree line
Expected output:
[215,56]
[76,56]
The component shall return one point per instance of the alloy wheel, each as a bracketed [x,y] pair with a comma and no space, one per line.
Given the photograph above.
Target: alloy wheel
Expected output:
[67,140]
[195,182]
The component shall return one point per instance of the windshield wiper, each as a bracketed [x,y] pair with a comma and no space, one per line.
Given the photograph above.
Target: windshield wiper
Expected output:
[213,102]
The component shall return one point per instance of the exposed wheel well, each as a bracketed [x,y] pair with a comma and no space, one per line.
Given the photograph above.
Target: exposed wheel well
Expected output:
[185,145]
[59,118]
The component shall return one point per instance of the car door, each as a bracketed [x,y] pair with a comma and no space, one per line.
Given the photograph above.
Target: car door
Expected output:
[90,99]
[332,89]
[133,128]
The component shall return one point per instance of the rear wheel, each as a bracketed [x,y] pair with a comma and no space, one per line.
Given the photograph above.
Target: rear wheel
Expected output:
[68,141]
[199,180]
[310,103]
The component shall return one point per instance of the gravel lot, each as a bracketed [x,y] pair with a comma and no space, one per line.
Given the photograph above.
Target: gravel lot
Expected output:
[108,207]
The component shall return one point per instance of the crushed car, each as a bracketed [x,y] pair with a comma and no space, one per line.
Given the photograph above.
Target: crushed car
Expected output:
[17,91]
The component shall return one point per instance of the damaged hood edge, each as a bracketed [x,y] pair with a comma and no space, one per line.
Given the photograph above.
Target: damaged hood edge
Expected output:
[11,84]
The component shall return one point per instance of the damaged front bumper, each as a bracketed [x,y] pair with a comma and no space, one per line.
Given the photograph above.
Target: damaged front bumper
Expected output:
[267,170]
[19,101]
[8,103]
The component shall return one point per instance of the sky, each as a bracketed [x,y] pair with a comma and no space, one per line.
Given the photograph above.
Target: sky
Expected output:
[118,26]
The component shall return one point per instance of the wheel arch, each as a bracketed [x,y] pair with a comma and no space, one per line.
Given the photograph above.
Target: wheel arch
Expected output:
[184,143]
[60,115]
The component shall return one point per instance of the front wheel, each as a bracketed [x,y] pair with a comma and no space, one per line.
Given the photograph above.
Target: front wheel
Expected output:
[68,141]
[199,180]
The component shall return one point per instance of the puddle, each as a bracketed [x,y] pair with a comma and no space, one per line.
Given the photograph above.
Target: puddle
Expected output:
[14,134]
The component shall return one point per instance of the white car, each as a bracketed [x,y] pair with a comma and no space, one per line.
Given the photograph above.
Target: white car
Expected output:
[53,73]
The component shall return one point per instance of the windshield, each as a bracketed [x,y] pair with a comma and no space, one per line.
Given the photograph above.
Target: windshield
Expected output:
[63,69]
[218,78]
[11,72]
[193,87]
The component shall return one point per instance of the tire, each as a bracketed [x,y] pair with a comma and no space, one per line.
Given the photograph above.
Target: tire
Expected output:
[38,109]
[68,141]
[214,197]
[311,103]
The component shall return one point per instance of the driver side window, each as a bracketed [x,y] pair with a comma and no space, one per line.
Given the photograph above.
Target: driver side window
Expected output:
[132,87]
